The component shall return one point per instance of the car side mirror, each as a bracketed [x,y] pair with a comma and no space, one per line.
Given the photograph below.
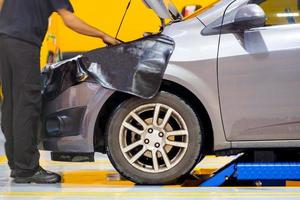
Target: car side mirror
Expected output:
[247,17]
[243,18]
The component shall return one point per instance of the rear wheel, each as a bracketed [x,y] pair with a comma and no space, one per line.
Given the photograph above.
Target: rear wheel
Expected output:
[154,141]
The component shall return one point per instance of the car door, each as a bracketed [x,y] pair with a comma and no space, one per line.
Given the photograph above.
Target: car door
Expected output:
[259,77]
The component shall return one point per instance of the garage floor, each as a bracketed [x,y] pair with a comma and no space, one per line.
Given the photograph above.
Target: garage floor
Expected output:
[99,181]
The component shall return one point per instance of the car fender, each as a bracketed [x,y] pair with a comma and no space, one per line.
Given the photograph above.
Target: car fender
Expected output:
[94,107]
[205,89]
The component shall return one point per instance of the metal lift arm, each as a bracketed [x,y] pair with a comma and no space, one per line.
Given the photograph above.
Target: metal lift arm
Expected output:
[268,173]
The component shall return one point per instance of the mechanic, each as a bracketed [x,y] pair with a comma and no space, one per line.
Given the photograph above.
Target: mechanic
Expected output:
[23,26]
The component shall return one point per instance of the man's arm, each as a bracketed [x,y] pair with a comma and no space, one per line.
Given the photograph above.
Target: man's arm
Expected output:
[79,26]
[1,4]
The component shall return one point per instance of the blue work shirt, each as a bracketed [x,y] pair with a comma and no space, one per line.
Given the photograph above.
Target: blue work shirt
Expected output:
[28,19]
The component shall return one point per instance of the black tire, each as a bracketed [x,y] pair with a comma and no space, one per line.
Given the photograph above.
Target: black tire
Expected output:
[188,160]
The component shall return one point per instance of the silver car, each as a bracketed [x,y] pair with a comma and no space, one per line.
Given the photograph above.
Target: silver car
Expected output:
[224,81]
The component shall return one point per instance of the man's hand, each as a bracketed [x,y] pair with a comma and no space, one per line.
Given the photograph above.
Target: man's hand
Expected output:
[1,4]
[110,40]
[79,26]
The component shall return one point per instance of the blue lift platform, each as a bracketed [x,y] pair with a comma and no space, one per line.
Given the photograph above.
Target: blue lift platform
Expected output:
[256,173]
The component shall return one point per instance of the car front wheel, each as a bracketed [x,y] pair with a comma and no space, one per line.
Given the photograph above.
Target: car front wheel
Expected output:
[156,141]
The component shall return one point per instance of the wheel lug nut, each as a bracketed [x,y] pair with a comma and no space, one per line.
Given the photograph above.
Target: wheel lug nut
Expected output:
[146,141]
[161,134]
[157,145]
[150,130]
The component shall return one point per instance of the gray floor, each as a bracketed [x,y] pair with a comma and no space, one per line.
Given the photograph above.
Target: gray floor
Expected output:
[99,181]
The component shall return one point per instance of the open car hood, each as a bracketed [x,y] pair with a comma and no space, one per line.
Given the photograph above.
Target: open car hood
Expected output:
[135,68]
[164,9]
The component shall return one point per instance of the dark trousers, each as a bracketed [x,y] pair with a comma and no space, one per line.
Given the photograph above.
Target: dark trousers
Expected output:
[21,84]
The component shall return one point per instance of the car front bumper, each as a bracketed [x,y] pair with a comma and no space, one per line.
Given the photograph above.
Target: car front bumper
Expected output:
[69,119]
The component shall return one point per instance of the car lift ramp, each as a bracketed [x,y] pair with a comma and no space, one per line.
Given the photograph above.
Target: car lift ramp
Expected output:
[255,173]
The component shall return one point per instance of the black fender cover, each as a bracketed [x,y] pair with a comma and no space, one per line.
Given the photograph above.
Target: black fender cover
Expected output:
[135,68]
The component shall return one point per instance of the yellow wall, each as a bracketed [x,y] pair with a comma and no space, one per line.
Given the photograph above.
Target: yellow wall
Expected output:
[106,15]
[273,7]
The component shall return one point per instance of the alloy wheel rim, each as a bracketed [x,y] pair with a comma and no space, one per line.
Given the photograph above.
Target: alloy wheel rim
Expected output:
[153,138]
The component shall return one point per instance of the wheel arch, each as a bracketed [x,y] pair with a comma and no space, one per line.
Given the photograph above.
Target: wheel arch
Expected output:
[199,109]
[103,117]
[169,86]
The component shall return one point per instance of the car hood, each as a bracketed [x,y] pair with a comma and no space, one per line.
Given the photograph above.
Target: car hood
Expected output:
[135,68]
[164,9]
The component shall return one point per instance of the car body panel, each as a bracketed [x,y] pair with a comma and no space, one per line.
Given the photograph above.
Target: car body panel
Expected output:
[259,83]
[76,96]
[197,71]
[91,95]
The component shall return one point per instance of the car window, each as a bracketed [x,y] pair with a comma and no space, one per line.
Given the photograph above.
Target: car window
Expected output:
[280,12]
